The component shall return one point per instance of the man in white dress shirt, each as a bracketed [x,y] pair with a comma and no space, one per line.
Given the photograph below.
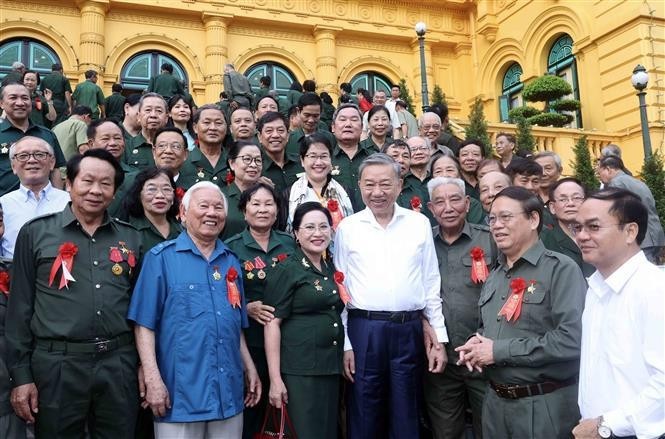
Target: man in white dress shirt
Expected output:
[32,161]
[387,256]
[622,368]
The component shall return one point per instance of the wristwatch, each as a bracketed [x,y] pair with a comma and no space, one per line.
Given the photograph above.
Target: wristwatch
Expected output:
[604,431]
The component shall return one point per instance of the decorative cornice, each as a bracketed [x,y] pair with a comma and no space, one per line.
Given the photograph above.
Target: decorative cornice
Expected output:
[154,19]
[38,7]
[269,32]
[373,45]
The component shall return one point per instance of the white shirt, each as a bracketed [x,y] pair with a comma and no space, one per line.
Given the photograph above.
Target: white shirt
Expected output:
[622,367]
[391,269]
[20,206]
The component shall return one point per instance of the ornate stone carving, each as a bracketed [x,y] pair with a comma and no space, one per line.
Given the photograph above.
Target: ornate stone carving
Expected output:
[38,7]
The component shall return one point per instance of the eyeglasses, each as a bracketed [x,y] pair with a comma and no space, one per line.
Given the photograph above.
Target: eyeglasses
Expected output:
[431,127]
[505,218]
[174,146]
[315,157]
[577,199]
[311,228]
[590,228]
[151,191]
[248,160]
[419,148]
[25,156]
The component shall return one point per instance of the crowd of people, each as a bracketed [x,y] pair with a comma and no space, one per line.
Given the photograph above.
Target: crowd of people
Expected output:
[171,270]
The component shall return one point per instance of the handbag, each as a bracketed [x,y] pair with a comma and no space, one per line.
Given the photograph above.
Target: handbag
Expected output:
[278,430]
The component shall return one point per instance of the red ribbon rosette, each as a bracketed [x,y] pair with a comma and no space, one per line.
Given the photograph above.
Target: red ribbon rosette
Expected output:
[335,212]
[232,292]
[343,293]
[65,260]
[38,103]
[479,271]
[229,177]
[179,194]
[513,306]
[4,282]
[281,257]
[416,203]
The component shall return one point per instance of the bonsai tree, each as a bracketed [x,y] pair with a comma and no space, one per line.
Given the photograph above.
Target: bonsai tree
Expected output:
[525,140]
[405,95]
[477,128]
[438,96]
[653,175]
[582,166]
[549,89]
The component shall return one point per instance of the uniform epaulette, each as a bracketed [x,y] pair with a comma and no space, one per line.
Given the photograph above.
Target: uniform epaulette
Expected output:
[284,234]
[482,227]
[235,237]
[124,223]
[161,246]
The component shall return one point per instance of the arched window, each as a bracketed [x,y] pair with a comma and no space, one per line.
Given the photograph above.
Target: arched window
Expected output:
[561,62]
[371,81]
[137,71]
[33,54]
[281,77]
[511,91]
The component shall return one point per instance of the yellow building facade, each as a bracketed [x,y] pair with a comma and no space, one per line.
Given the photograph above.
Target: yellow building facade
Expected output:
[485,48]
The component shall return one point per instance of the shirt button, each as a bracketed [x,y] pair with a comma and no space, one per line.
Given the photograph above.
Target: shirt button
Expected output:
[214,178]
[335,343]
[136,163]
[503,297]
[334,291]
[508,276]
[219,313]
[93,240]
[332,307]
[212,288]
[191,287]
[95,263]
[220,341]
[498,319]
[221,369]
[99,313]
[335,325]
[325,278]
[98,286]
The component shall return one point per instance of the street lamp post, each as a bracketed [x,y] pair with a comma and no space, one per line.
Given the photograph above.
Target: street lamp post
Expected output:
[640,79]
[421,28]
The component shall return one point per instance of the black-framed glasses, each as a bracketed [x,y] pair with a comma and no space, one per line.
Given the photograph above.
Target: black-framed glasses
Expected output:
[504,217]
[248,160]
[25,156]
[174,146]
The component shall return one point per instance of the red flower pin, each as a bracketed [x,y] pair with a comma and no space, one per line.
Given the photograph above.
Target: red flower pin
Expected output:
[179,193]
[513,306]
[229,177]
[4,282]
[479,271]
[339,281]
[416,203]
[282,256]
[64,260]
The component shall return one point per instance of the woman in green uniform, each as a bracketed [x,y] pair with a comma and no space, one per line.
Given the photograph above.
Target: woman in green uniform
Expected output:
[246,166]
[305,340]
[43,111]
[151,206]
[259,248]
[379,126]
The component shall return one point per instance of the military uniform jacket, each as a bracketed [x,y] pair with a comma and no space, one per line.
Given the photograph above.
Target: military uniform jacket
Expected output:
[58,84]
[250,253]
[138,153]
[150,236]
[115,106]
[543,344]
[285,176]
[204,171]
[307,300]
[235,219]
[345,172]
[88,93]
[293,145]
[10,134]
[166,85]
[459,293]
[95,305]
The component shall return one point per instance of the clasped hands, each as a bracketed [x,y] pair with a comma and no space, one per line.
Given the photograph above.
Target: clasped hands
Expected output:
[476,353]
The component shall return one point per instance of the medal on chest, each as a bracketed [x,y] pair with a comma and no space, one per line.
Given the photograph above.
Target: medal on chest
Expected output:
[216,275]
[258,263]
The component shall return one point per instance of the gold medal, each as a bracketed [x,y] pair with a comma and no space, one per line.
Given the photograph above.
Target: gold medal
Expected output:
[261,274]
[116,269]
[250,275]
[216,275]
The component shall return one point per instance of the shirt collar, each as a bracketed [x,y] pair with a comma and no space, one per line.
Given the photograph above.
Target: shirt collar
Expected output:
[68,216]
[368,216]
[44,193]
[185,243]
[532,255]
[250,242]
[617,280]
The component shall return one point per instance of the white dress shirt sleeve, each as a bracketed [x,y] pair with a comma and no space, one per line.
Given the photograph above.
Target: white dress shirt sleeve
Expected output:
[432,286]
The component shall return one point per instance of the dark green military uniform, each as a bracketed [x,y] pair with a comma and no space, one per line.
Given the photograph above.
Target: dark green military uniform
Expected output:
[283,106]
[446,394]
[413,187]
[204,171]
[59,85]
[452,142]
[115,106]
[471,191]
[368,143]
[88,93]
[150,236]
[293,145]
[280,245]
[567,247]
[260,93]
[166,85]
[38,116]
[56,336]
[11,426]
[327,115]
[10,134]
[285,176]
[292,96]
[543,345]
[138,153]
[235,219]
[312,342]
[345,172]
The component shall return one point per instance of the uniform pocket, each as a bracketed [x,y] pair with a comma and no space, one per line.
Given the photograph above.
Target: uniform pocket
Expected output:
[299,348]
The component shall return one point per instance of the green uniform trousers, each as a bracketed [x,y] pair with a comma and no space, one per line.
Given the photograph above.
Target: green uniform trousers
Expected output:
[75,389]
[447,395]
[550,416]
[313,405]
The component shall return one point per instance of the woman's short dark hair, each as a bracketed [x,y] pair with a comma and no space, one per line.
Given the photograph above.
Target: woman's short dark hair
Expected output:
[375,109]
[307,207]
[309,85]
[238,146]
[172,103]
[308,141]
[626,207]
[74,165]
[39,78]
[529,202]
[247,194]
[132,205]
